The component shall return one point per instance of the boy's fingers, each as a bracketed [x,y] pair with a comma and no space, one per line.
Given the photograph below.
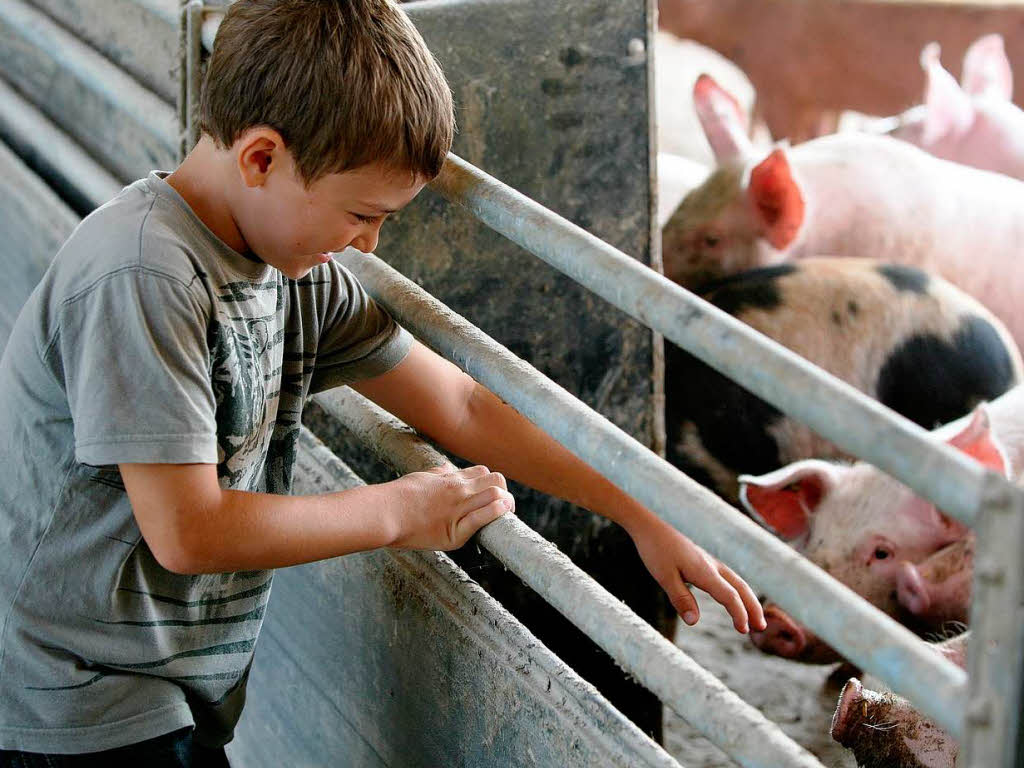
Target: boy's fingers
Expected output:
[489,495]
[726,594]
[477,471]
[473,521]
[490,480]
[755,612]
[683,600]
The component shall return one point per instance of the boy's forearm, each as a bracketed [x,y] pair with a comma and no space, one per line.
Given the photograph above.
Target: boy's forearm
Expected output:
[496,435]
[251,531]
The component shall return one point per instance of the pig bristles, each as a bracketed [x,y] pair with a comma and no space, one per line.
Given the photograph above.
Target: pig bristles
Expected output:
[948,631]
[881,726]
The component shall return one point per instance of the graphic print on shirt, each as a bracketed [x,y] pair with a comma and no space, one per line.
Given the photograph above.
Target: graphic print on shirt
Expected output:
[245,359]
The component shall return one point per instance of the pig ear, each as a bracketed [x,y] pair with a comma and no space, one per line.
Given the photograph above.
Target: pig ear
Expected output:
[777,199]
[784,500]
[948,110]
[723,119]
[986,69]
[978,442]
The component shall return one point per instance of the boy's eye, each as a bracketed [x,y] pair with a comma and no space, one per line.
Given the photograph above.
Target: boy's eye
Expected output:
[364,219]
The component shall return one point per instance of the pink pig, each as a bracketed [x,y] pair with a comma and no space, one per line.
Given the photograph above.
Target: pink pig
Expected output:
[973,122]
[847,195]
[875,535]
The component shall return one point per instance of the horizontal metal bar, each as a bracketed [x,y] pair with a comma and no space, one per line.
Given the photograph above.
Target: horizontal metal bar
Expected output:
[831,407]
[842,618]
[53,154]
[580,707]
[737,728]
[104,108]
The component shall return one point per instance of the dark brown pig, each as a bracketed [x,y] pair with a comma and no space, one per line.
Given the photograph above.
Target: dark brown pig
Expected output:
[885,731]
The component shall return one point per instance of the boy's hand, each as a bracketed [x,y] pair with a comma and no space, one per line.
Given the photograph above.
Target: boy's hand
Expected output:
[442,507]
[673,560]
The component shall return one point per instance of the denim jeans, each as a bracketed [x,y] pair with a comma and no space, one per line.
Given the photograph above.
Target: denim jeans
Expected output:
[172,750]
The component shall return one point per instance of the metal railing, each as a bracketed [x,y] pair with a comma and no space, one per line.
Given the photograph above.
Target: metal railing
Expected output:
[984,714]
[740,730]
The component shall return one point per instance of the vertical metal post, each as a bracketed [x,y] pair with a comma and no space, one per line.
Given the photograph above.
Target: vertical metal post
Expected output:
[191,77]
[996,652]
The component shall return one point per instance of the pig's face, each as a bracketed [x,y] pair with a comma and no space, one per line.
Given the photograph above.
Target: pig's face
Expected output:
[711,234]
[866,526]
[857,524]
[885,731]
[860,525]
[741,218]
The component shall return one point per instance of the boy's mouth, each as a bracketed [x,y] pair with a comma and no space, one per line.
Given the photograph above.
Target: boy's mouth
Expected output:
[324,257]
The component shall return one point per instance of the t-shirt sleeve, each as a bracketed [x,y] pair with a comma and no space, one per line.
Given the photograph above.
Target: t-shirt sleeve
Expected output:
[358,338]
[135,362]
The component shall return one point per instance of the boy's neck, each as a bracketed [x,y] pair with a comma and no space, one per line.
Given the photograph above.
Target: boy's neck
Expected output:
[200,180]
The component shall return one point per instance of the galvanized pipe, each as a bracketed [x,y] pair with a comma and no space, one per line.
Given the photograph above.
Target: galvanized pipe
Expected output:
[192,20]
[318,470]
[96,73]
[831,407]
[699,697]
[83,182]
[837,614]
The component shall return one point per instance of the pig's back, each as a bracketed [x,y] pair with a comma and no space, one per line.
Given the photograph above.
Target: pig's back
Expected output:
[910,340]
[876,197]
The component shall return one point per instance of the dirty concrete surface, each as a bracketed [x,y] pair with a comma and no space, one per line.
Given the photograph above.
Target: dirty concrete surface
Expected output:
[793,695]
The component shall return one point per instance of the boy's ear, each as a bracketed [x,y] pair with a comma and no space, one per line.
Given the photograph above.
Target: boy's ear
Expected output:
[258,151]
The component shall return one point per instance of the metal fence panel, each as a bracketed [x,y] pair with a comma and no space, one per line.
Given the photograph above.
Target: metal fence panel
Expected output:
[399,659]
[553,96]
[124,125]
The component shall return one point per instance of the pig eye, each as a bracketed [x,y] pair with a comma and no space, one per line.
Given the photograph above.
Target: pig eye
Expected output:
[881,553]
[711,240]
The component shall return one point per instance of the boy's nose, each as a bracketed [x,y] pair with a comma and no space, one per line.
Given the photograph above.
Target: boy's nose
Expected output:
[366,241]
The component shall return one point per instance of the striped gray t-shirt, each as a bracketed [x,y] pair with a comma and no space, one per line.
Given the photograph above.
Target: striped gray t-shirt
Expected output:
[149,340]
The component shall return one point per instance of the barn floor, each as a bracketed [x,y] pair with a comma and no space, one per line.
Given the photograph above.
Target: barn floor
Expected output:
[791,694]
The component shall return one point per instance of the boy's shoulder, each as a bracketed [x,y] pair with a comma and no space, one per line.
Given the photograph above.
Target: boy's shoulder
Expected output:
[146,228]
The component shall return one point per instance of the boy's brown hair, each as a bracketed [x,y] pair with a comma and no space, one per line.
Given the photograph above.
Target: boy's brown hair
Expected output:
[345,82]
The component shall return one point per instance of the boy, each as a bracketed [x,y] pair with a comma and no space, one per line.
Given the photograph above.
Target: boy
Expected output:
[151,393]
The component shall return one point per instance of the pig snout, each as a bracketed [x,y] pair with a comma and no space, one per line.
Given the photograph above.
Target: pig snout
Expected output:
[911,590]
[850,711]
[938,590]
[782,637]
[883,730]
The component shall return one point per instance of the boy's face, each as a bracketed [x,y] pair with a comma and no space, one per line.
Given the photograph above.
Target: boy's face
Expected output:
[293,227]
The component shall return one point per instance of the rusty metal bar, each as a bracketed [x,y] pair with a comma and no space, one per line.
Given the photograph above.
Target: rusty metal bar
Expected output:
[738,729]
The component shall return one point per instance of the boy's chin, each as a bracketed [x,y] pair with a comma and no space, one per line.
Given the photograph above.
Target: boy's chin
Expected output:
[296,273]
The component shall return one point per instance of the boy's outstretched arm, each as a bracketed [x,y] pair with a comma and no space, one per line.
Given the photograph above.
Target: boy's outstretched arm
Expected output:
[440,401]
[193,526]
